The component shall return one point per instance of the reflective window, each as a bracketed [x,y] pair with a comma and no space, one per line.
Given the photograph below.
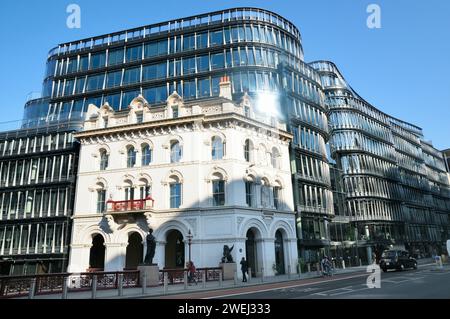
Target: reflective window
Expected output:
[115,57]
[217,149]
[217,61]
[204,89]
[188,42]
[215,38]
[95,82]
[146,155]
[104,160]
[175,152]
[134,53]
[157,48]
[84,63]
[114,79]
[101,201]
[79,87]
[203,63]
[175,195]
[98,60]
[129,96]
[188,66]
[202,40]
[156,94]
[218,192]
[113,101]
[132,76]
[131,157]
[189,90]
[154,71]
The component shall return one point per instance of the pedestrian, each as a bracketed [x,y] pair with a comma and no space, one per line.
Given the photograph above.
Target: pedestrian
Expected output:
[244,269]
[191,272]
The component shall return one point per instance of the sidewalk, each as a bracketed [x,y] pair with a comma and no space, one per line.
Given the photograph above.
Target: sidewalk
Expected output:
[152,292]
[133,293]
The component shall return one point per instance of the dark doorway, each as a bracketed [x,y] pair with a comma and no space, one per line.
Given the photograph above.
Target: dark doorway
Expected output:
[174,250]
[135,252]
[5,268]
[279,253]
[251,253]
[97,254]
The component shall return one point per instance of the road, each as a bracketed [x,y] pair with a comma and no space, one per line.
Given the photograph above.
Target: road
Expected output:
[425,283]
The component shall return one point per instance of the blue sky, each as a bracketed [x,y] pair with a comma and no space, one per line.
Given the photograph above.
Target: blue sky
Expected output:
[402,68]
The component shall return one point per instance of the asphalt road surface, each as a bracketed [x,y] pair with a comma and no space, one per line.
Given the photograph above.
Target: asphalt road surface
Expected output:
[425,283]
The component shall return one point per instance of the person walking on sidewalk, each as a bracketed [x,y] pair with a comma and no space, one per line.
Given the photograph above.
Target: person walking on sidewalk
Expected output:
[191,272]
[244,269]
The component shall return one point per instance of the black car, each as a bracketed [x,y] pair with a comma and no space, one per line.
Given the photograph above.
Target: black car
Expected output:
[397,259]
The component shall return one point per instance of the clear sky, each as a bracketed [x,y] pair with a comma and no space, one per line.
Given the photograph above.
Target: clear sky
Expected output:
[402,68]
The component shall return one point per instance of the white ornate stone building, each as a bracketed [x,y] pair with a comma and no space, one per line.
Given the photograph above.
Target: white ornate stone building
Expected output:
[211,168]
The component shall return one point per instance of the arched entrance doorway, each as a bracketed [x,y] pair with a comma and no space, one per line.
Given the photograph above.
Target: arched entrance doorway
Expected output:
[279,253]
[174,250]
[251,252]
[97,254]
[135,252]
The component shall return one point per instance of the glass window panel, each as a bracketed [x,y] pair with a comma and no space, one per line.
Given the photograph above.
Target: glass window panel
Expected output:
[189,90]
[98,60]
[84,63]
[129,96]
[95,82]
[188,42]
[217,61]
[216,38]
[203,63]
[132,76]
[79,88]
[154,71]
[134,53]
[114,79]
[202,40]
[188,66]
[116,56]
[204,88]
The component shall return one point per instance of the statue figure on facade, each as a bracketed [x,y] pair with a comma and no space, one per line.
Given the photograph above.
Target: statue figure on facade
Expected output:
[227,257]
[111,223]
[151,246]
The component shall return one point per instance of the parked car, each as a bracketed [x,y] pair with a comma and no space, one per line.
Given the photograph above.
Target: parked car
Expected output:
[397,259]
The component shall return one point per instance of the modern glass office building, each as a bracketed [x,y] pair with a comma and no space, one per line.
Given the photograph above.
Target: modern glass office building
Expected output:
[38,169]
[395,184]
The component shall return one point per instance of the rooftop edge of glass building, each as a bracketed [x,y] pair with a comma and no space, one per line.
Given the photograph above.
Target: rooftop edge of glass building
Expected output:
[175,52]
[396,188]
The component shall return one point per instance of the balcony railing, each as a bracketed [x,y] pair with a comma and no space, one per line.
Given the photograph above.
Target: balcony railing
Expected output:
[130,205]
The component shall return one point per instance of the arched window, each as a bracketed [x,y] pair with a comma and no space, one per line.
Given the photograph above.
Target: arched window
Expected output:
[175,152]
[250,193]
[146,155]
[104,160]
[217,149]
[277,197]
[101,198]
[265,194]
[218,190]
[145,189]
[131,157]
[175,192]
[129,191]
[248,150]
[274,158]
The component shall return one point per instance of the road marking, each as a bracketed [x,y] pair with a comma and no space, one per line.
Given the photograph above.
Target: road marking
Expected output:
[293,286]
[327,292]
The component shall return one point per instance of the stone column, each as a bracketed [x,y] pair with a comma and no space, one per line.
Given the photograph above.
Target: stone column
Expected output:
[79,258]
[115,256]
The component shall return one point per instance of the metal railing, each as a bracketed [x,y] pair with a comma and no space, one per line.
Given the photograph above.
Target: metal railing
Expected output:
[130,205]
[177,276]
[21,286]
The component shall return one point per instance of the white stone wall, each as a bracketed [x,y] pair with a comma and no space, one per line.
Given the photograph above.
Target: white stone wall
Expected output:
[212,227]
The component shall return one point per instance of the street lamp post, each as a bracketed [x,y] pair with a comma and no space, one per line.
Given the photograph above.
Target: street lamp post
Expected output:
[190,236]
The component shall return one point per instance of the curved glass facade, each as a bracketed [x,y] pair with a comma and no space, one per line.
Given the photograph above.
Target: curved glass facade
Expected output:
[187,55]
[395,185]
